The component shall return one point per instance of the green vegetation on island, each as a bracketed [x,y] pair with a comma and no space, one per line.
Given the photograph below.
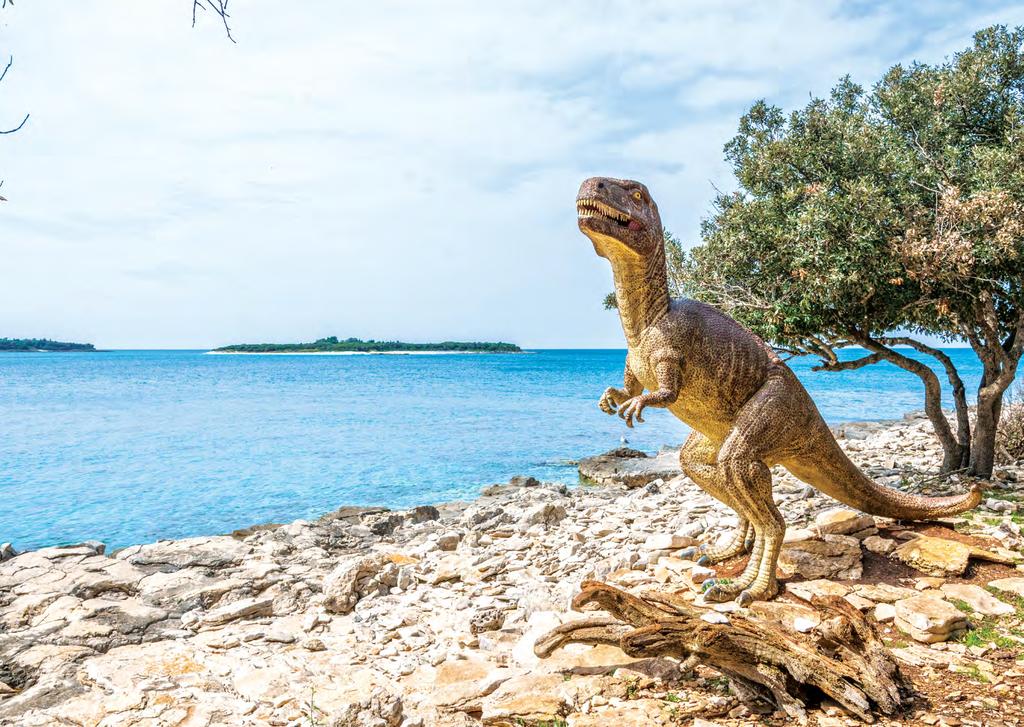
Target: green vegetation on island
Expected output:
[42,345]
[355,345]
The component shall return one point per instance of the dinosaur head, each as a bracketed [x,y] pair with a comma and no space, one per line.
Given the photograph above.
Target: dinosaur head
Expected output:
[619,217]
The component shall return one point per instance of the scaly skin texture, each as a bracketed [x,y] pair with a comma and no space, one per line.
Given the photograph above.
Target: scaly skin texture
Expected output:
[747,410]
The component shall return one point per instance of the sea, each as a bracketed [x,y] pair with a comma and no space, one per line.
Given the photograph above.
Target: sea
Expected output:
[130,447]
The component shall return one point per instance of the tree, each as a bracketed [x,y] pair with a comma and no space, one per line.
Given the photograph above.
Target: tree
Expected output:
[871,212]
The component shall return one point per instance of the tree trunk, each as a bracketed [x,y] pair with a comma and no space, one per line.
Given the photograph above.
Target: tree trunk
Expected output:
[1000,361]
[767,663]
[983,447]
[952,448]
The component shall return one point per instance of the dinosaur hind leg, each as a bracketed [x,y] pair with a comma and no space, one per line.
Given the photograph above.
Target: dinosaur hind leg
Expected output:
[754,490]
[698,460]
[763,426]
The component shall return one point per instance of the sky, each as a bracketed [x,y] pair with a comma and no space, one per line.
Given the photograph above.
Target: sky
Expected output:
[383,170]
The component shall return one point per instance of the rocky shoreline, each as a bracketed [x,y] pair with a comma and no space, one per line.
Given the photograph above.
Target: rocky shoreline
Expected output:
[428,616]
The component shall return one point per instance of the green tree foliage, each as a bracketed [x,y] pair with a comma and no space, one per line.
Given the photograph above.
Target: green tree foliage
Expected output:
[41,344]
[899,208]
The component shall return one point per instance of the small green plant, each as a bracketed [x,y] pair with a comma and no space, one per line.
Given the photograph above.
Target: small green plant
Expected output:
[992,521]
[983,635]
[310,712]
[632,689]
[673,697]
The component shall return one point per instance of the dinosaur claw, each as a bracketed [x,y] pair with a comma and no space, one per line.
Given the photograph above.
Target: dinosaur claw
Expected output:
[687,553]
[745,598]
[704,560]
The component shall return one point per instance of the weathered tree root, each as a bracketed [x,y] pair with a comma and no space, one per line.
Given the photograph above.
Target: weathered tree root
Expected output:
[843,657]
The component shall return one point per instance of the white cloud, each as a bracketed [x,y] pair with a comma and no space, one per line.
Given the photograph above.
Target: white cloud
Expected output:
[381,169]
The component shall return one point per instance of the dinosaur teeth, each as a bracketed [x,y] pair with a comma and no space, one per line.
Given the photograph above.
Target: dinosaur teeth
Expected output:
[590,207]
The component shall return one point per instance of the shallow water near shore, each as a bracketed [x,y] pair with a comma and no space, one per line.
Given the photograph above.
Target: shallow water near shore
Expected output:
[132,446]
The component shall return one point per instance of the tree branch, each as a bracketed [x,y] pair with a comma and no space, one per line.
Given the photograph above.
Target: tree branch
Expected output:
[219,7]
[849,365]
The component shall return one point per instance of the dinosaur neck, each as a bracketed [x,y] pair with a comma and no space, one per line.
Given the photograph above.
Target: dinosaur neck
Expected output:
[641,291]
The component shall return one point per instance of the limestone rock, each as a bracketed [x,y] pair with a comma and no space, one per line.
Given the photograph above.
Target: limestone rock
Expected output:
[349,582]
[1009,585]
[380,709]
[668,541]
[449,540]
[526,699]
[821,587]
[463,683]
[942,556]
[837,556]
[929,619]
[487,619]
[7,551]
[885,612]
[883,592]
[842,521]
[880,545]
[244,608]
[545,513]
[977,598]
[635,713]
[632,471]
[170,555]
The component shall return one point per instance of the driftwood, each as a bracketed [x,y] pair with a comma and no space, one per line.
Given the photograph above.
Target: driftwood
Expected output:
[767,663]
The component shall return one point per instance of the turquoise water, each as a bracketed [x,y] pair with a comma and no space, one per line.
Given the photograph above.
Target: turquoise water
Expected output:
[132,446]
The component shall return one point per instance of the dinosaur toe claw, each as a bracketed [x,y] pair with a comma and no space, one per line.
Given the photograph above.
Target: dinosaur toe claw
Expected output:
[745,598]
[704,560]
[687,553]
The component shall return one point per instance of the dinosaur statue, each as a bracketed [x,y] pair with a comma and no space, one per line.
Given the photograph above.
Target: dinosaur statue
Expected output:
[747,409]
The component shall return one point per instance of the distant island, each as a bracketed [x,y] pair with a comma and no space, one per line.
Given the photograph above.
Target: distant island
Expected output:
[332,344]
[42,345]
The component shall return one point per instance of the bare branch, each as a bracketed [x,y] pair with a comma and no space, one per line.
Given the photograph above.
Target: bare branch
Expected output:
[18,127]
[219,7]
[849,365]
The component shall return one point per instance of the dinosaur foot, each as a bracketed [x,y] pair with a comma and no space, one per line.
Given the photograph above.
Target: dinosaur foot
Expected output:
[710,554]
[743,593]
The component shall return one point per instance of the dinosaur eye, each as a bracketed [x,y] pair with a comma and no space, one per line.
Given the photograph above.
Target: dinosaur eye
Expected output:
[638,196]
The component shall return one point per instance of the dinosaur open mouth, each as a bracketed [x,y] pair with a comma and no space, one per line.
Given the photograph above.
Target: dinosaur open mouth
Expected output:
[590,207]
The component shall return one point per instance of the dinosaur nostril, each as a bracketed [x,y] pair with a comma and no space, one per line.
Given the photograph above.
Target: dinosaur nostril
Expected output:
[600,185]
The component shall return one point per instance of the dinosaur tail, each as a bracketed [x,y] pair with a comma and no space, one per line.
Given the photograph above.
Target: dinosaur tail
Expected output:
[831,471]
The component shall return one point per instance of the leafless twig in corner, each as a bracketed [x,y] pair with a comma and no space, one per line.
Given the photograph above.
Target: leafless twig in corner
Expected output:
[219,7]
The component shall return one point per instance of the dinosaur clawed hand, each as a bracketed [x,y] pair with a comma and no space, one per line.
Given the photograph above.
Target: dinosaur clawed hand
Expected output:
[611,399]
[633,409]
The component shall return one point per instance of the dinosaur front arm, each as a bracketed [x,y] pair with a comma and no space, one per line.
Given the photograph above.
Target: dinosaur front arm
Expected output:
[612,397]
[667,374]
